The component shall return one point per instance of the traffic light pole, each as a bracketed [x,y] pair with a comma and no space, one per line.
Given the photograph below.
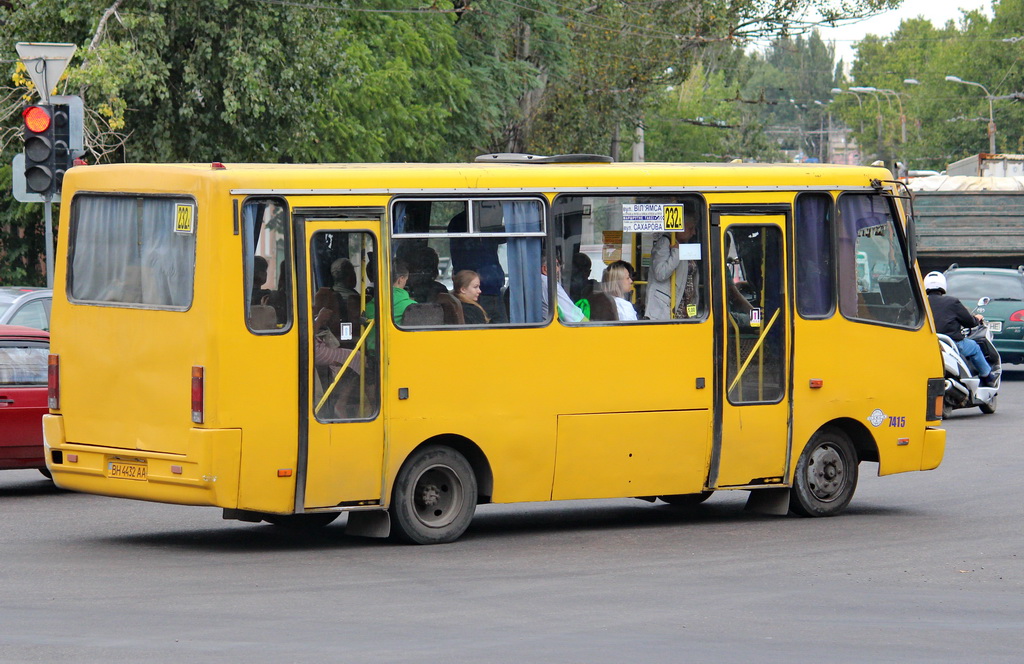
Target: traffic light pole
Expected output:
[48,212]
[45,62]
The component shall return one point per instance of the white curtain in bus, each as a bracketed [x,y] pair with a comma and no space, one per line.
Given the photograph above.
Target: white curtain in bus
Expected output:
[125,250]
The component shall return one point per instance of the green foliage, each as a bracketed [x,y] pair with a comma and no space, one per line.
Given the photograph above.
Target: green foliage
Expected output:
[406,80]
[945,121]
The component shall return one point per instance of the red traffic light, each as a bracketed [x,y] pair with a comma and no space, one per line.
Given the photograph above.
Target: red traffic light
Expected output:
[37,118]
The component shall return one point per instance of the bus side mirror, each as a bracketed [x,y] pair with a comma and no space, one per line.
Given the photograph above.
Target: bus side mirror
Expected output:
[911,240]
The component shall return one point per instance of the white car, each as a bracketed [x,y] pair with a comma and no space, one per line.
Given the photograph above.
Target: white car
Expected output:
[26,306]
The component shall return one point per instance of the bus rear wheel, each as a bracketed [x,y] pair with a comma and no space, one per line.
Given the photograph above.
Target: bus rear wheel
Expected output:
[826,475]
[434,496]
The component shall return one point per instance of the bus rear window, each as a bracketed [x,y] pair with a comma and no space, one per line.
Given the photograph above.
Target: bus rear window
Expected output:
[132,250]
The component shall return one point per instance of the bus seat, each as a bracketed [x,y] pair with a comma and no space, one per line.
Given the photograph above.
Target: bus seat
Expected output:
[423,315]
[452,309]
[262,317]
[602,306]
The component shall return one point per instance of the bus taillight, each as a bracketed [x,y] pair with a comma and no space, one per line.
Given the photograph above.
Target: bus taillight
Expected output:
[936,396]
[53,382]
[197,395]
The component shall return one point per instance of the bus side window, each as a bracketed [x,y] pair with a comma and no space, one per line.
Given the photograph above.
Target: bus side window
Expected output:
[267,265]
[874,279]
[498,241]
[657,238]
[815,280]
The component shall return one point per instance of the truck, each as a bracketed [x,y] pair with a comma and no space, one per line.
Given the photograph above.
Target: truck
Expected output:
[988,165]
[970,220]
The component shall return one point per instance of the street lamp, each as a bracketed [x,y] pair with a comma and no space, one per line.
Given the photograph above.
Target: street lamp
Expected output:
[874,93]
[991,117]
[860,104]
[903,118]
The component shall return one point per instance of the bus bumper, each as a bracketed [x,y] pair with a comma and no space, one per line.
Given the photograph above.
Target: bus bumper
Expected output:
[934,448]
[206,475]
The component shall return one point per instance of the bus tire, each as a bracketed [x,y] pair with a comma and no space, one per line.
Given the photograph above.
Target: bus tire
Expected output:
[826,475]
[434,497]
[687,499]
[302,522]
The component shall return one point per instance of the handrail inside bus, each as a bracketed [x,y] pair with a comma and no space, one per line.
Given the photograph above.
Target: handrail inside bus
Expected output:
[344,366]
[757,346]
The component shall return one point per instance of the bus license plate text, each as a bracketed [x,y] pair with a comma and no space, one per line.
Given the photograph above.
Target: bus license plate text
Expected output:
[126,471]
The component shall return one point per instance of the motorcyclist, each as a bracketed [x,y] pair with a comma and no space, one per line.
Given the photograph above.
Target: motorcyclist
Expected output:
[951,316]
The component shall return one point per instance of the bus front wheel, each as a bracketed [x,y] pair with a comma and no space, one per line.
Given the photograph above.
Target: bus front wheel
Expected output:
[826,475]
[434,496]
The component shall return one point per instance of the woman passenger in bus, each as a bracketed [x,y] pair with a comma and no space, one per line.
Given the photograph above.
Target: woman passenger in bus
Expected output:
[466,286]
[666,264]
[617,282]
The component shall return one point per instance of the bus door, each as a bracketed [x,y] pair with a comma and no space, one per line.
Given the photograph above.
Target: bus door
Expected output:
[341,430]
[751,442]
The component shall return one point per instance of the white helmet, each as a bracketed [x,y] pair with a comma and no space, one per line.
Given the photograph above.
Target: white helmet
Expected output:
[934,281]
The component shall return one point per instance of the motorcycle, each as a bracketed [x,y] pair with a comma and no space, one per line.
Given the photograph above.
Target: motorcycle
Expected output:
[963,388]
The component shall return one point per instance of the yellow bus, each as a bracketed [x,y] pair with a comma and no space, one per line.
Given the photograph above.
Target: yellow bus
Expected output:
[403,342]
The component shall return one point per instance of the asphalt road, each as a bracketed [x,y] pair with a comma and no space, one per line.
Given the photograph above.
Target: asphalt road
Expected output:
[923,567]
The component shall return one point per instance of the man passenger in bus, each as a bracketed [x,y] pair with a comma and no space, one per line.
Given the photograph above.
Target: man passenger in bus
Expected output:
[492,280]
[580,283]
[617,282]
[260,268]
[473,253]
[567,310]
[466,287]
[424,266]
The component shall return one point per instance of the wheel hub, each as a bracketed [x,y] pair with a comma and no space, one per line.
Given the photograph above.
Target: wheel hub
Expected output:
[438,496]
[429,495]
[826,473]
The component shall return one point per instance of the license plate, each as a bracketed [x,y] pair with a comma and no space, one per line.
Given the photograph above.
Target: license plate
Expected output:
[995,325]
[126,470]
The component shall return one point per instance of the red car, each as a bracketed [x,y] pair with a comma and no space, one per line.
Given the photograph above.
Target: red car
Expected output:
[23,357]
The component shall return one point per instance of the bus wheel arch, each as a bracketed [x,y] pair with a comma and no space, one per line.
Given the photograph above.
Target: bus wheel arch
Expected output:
[436,492]
[826,473]
[860,436]
[476,458]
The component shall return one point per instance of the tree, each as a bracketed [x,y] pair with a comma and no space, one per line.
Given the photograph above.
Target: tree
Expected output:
[394,80]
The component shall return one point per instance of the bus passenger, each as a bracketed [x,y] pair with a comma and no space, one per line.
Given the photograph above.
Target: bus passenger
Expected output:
[466,286]
[326,351]
[567,311]
[492,281]
[665,263]
[260,269]
[400,298]
[424,268]
[580,283]
[616,282]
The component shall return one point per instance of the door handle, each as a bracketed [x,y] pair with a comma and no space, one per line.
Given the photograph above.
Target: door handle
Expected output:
[5,401]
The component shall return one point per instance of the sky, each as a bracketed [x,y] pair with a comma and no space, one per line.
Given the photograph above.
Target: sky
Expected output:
[937,11]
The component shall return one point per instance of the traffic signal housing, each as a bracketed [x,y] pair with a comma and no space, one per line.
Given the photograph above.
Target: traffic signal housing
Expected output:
[62,157]
[48,153]
[39,148]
